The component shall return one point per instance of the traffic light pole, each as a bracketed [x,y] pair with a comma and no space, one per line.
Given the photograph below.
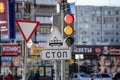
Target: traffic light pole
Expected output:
[62,4]
[62,61]
[62,26]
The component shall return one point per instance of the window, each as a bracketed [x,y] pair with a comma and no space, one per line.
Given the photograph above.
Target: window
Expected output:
[109,13]
[84,33]
[45,30]
[117,12]
[105,12]
[93,40]
[105,19]
[18,6]
[105,40]
[117,40]
[27,7]
[112,40]
[98,19]
[98,13]
[117,33]
[117,26]
[117,19]
[92,33]
[98,33]
[111,19]
[98,40]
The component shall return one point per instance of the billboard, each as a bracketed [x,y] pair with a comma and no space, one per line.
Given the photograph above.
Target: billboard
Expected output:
[9,49]
[4,17]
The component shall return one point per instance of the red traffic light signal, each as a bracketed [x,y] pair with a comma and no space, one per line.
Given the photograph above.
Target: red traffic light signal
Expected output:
[69,19]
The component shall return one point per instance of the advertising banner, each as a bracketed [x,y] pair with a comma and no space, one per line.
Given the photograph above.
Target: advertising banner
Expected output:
[108,50]
[4,17]
[9,49]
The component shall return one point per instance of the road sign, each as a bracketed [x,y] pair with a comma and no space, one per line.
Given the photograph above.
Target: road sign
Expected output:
[55,40]
[27,28]
[56,48]
[56,54]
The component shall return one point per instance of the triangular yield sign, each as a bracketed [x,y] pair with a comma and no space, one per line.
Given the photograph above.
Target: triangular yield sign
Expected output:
[27,28]
[55,40]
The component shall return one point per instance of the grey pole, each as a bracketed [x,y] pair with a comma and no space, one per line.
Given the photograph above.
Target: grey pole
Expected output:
[62,61]
[55,68]
[25,62]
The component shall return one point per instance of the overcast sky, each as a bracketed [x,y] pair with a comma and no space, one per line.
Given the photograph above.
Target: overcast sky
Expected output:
[97,2]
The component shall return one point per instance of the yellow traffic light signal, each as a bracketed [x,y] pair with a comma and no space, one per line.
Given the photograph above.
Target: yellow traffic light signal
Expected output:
[68,30]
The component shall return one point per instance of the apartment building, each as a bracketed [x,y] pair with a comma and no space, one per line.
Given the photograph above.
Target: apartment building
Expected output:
[97,25]
[37,10]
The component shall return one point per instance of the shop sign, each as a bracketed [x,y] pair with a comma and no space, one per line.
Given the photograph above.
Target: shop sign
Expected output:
[83,50]
[115,51]
[10,49]
[4,16]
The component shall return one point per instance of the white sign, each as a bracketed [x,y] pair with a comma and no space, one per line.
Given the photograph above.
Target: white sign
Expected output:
[56,54]
[27,28]
[55,40]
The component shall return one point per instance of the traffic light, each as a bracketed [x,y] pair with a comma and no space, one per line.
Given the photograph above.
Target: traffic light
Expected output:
[69,29]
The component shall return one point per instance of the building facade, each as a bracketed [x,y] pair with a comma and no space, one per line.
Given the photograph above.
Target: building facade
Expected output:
[97,35]
[97,25]
[37,10]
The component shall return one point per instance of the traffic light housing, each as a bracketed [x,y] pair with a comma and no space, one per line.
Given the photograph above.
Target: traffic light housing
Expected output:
[69,29]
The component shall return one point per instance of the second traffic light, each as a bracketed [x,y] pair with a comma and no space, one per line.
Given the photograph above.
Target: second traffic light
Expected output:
[69,29]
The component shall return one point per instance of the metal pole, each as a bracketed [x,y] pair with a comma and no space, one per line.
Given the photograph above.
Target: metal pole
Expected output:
[62,69]
[55,68]
[25,62]
[62,61]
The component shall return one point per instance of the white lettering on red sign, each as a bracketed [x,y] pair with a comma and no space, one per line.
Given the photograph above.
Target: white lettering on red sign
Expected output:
[10,49]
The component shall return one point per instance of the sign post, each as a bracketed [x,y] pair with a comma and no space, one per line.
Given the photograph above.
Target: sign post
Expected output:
[27,28]
[56,49]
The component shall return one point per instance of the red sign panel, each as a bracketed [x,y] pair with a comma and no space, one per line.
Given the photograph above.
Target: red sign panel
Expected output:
[4,16]
[10,49]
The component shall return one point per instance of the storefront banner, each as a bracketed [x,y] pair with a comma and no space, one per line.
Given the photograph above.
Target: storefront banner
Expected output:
[110,50]
[9,49]
[4,16]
